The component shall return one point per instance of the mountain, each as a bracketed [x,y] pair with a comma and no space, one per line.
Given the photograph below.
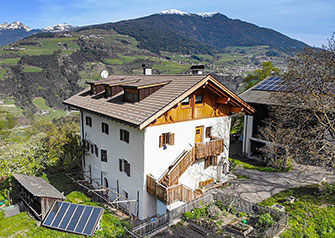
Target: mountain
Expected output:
[58,28]
[173,30]
[11,32]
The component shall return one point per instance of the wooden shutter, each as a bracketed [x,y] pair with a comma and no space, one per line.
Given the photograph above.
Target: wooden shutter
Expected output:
[120,165]
[126,135]
[121,137]
[171,139]
[215,160]
[207,162]
[96,150]
[161,141]
[127,168]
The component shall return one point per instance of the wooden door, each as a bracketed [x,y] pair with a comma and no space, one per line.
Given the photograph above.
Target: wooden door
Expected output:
[198,134]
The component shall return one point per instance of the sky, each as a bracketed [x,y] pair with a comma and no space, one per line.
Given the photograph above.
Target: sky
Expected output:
[311,21]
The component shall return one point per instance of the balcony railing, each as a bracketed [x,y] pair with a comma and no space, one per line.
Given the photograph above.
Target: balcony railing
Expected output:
[171,194]
[213,147]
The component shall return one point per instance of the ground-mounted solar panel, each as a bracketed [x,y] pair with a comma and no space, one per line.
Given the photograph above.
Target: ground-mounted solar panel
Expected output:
[75,218]
[271,84]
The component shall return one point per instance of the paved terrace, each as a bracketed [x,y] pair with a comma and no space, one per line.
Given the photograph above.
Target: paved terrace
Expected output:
[262,185]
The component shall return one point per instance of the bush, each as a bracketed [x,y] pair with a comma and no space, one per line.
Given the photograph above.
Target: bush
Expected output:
[188,216]
[264,222]
[233,210]
[220,205]
[199,212]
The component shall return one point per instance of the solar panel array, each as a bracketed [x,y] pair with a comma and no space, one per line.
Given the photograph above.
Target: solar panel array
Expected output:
[75,218]
[271,84]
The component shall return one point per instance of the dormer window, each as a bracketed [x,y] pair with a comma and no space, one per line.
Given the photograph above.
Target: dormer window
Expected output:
[186,101]
[131,95]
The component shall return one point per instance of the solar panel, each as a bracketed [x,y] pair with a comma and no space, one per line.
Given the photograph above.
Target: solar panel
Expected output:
[75,218]
[271,84]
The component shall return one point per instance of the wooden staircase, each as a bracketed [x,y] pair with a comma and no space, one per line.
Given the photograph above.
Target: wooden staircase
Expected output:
[166,188]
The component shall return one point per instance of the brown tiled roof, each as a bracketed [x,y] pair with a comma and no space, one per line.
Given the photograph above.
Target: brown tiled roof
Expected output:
[141,114]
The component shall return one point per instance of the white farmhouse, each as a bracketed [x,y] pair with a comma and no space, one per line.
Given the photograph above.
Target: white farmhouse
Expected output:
[156,139]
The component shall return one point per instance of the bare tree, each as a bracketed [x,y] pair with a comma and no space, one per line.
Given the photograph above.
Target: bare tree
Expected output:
[302,125]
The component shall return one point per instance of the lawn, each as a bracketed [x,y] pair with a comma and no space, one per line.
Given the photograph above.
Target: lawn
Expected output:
[170,67]
[29,69]
[10,61]
[40,103]
[53,113]
[313,212]
[2,73]
[253,165]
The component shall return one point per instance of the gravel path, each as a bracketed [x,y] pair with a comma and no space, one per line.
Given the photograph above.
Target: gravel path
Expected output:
[262,185]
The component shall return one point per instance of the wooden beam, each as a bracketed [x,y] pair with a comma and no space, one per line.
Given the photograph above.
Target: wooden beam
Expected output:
[223,100]
[237,109]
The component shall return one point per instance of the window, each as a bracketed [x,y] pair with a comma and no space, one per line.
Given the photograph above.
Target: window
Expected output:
[96,150]
[92,148]
[87,145]
[186,101]
[104,128]
[89,121]
[125,194]
[124,135]
[209,132]
[166,139]
[131,95]
[104,155]
[124,166]
[198,99]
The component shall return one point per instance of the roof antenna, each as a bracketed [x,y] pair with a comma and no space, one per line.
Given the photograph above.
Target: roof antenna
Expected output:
[104,74]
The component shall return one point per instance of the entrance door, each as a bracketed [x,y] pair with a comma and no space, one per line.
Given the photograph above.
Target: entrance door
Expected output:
[198,134]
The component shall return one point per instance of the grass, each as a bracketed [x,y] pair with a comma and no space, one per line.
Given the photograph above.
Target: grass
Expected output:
[11,61]
[313,212]
[13,109]
[114,61]
[40,103]
[23,225]
[30,69]
[2,73]
[247,165]
[170,67]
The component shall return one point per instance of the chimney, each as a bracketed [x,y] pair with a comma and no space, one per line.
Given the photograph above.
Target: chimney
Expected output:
[146,71]
[197,69]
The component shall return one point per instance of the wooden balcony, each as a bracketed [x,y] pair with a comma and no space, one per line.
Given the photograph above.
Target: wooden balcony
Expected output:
[213,147]
[171,194]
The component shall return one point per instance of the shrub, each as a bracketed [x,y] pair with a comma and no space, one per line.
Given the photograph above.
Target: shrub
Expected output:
[233,210]
[199,212]
[220,205]
[264,222]
[188,216]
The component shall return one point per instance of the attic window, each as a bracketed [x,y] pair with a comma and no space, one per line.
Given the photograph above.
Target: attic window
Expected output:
[131,95]
[198,99]
[186,101]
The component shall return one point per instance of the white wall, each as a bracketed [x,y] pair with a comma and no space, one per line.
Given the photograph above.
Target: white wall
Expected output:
[157,160]
[117,149]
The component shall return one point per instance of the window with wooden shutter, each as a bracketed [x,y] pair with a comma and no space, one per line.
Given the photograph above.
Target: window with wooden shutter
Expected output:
[124,135]
[166,139]
[208,132]
[127,168]
[104,155]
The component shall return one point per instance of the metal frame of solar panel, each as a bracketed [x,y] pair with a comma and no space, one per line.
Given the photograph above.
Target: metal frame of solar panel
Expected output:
[75,218]
[271,84]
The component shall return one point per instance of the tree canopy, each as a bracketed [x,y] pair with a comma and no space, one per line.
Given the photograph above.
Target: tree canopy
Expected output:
[302,125]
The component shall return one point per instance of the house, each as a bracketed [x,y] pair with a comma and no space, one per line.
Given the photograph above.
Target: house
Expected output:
[155,139]
[259,97]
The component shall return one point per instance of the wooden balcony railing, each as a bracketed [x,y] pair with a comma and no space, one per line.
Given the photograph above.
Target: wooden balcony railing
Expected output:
[171,194]
[214,147]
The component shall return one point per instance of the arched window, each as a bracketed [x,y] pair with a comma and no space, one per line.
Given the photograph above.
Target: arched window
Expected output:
[105,182]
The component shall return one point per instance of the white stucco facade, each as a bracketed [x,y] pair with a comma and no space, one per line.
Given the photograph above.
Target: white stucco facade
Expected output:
[146,157]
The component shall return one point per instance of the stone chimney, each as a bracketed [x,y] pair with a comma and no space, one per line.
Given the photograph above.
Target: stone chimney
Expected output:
[197,69]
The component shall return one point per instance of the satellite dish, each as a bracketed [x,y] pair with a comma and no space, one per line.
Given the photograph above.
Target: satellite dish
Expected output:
[104,74]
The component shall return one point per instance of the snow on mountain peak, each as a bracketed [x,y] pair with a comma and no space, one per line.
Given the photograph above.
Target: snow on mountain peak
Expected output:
[13,26]
[174,11]
[58,28]
[207,14]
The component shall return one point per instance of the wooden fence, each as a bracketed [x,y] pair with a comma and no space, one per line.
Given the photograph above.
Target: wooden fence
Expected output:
[242,205]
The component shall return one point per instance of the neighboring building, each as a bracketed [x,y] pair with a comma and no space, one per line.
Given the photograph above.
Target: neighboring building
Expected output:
[155,139]
[259,97]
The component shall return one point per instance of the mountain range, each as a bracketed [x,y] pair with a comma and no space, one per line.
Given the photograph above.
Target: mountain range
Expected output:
[11,32]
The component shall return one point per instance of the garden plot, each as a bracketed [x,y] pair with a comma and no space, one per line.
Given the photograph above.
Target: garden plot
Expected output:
[218,220]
